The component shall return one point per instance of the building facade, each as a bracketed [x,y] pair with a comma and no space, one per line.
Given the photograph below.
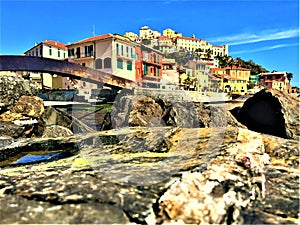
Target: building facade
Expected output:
[220,50]
[165,45]
[170,75]
[110,53]
[171,33]
[151,60]
[233,79]
[147,33]
[49,49]
[132,36]
[200,73]
[275,80]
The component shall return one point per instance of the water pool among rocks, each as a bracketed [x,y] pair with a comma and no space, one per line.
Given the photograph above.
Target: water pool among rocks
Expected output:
[34,157]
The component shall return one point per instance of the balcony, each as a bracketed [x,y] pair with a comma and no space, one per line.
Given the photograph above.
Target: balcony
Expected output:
[83,55]
[153,62]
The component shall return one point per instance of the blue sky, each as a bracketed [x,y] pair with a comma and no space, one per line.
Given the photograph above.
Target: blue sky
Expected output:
[266,32]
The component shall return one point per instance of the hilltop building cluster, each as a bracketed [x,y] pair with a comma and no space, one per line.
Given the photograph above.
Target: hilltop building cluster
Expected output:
[152,60]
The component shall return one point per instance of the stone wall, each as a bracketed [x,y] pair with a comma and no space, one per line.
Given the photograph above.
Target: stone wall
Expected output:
[12,88]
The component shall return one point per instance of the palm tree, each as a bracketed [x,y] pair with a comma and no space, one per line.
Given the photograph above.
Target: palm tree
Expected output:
[289,76]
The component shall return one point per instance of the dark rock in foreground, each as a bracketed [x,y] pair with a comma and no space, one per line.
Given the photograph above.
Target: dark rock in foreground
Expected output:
[271,112]
[156,175]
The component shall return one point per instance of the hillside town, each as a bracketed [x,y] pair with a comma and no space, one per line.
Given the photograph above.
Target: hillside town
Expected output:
[157,146]
[151,59]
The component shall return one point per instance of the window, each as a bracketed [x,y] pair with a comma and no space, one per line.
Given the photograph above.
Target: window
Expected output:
[145,69]
[129,65]
[120,64]
[58,53]
[50,50]
[127,52]
[64,55]
[107,63]
[41,51]
[78,52]
[122,51]
[117,46]
[83,64]
[98,64]
[88,50]
[71,52]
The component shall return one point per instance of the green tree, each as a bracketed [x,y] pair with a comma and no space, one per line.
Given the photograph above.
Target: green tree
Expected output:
[209,52]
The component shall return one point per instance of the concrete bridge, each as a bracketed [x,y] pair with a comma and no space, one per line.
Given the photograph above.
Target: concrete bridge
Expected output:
[62,68]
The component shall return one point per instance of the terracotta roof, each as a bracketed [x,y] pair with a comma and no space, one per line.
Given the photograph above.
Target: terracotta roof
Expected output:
[96,38]
[216,69]
[188,38]
[236,68]
[164,38]
[217,46]
[55,44]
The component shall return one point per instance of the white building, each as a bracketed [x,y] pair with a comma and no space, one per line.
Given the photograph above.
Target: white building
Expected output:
[48,49]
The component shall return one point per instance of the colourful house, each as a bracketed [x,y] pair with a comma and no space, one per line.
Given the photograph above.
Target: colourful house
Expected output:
[275,80]
[233,79]
[151,60]
[110,53]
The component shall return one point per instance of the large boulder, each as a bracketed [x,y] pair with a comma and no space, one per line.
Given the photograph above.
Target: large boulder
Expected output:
[135,110]
[271,112]
[145,112]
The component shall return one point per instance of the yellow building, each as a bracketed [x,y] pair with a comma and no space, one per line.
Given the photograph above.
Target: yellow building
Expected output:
[165,44]
[132,36]
[171,33]
[233,79]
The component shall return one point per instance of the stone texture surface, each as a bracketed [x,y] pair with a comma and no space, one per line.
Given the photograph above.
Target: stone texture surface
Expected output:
[155,175]
[12,88]
[145,112]
[131,110]
[27,107]
[56,131]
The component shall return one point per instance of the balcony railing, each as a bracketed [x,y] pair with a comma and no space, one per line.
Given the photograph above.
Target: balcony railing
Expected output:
[78,55]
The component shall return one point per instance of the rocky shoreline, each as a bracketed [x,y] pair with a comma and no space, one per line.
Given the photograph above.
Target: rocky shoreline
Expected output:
[152,162]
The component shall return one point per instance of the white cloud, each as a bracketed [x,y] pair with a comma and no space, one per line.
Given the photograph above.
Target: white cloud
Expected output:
[264,48]
[266,35]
